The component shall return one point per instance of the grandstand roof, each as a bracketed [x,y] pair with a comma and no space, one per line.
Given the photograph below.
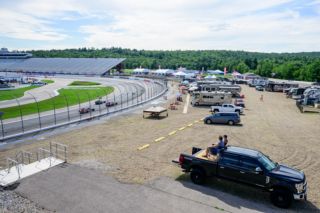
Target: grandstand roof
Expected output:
[77,66]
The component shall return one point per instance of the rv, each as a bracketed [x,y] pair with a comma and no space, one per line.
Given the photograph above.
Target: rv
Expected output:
[234,89]
[211,98]
[279,86]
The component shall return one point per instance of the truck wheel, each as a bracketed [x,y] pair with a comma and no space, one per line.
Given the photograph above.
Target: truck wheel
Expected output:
[196,103]
[231,122]
[216,110]
[208,121]
[198,176]
[238,111]
[281,198]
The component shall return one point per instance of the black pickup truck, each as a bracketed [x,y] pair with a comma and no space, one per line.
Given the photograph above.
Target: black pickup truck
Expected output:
[249,167]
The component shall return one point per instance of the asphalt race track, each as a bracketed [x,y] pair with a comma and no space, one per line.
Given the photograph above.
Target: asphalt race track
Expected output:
[127,92]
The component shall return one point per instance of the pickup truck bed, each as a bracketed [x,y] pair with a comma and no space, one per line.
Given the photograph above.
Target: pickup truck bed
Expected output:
[246,166]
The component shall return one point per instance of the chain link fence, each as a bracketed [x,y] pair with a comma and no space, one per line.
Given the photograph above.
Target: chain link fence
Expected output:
[77,108]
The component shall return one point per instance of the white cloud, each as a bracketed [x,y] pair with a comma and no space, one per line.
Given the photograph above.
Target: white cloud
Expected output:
[169,24]
[21,26]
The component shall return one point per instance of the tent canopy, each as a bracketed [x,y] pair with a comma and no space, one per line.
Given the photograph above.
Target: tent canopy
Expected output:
[216,72]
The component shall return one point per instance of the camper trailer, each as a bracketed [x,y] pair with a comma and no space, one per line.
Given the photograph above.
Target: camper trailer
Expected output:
[279,86]
[211,98]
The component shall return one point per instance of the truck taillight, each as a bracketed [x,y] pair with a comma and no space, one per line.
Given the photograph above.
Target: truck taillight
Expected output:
[181,159]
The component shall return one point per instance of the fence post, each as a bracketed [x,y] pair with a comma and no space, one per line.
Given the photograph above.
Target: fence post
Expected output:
[54,108]
[89,97]
[66,99]
[137,94]
[100,100]
[22,125]
[37,108]
[127,99]
[121,100]
[79,104]
[2,127]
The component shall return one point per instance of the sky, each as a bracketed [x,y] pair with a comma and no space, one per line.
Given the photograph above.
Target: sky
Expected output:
[249,25]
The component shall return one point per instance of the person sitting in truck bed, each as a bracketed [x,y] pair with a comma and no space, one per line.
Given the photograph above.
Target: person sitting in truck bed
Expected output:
[225,140]
[215,148]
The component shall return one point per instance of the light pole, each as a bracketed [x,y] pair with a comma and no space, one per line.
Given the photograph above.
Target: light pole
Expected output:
[100,99]
[89,103]
[54,108]
[37,108]
[79,104]
[18,102]
[66,99]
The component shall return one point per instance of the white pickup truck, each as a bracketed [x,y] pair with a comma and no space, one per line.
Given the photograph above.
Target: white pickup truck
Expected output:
[227,108]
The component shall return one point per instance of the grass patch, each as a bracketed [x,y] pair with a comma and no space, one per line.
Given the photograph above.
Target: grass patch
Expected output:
[59,101]
[47,81]
[128,71]
[14,93]
[83,83]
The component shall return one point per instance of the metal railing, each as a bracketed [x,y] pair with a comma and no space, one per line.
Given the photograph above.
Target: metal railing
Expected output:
[144,91]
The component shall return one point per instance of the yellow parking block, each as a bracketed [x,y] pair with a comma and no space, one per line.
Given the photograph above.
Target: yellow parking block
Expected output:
[202,119]
[172,133]
[159,139]
[182,128]
[196,121]
[143,147]
[189,125]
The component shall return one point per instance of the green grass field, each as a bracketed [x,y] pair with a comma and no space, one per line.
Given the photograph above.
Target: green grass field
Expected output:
[14,93]
[59,101]
[128,71]
[47,81]
[83,83]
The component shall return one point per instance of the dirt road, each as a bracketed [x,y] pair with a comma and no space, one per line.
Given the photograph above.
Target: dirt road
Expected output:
[274,126]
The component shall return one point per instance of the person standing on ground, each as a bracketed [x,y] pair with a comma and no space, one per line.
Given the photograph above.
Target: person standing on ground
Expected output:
[261,98]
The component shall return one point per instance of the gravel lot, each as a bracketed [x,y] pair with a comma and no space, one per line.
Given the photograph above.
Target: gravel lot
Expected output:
[274,126]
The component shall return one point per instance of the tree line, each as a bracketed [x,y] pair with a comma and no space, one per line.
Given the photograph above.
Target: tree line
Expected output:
[294,66]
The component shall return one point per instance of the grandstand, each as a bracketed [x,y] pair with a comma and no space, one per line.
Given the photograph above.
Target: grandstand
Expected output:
[69,66]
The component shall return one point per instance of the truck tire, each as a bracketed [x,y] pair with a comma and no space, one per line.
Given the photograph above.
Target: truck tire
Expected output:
[208,121]
[231,122]
[281,198]
[198,176]
[196,103]
[216,110]
[238,111]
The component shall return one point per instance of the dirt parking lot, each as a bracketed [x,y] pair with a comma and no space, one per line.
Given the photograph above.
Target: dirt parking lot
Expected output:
[274,126]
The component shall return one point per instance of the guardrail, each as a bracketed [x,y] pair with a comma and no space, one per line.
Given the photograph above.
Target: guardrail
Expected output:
[138,97]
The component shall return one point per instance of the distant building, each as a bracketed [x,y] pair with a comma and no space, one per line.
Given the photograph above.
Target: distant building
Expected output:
[24,63]
[5,54]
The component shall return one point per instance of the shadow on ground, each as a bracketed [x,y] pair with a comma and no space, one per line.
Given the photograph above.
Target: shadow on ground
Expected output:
[217,188]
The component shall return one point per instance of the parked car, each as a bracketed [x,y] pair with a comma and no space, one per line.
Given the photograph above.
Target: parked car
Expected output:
[239,102]
[38,83]
[259,88]
[227,108]
[86,110]
[99,102]
[230,118]
[250,167]
[111,103]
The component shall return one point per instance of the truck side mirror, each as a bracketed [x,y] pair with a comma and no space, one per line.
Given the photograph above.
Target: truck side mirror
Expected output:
[258,170]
